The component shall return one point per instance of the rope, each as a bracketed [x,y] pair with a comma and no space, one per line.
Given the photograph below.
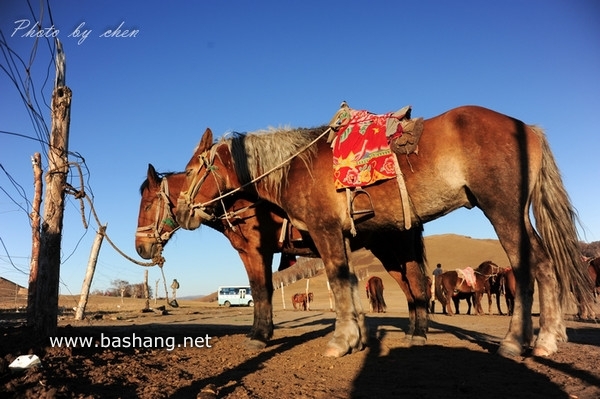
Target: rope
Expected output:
[80,194]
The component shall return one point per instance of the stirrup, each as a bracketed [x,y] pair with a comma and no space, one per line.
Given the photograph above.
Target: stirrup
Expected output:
[360,212]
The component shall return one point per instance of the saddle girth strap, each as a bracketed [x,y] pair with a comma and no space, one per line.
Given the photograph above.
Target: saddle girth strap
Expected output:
[403,194]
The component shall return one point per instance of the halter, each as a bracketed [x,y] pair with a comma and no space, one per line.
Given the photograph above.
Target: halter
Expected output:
[155,229]
[186,197]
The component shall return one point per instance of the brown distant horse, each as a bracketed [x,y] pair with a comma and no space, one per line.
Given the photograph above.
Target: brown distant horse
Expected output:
[466,157]
[453,284]
[594,271]
[509,286]
[301,301]
[375,295]
[441,296]
[497,284]
[254,228]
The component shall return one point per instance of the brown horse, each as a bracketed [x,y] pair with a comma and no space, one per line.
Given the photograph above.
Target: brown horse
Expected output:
[375,295]
[301,301]
[594,271]
[254,229]
[466,157]
[456,297]
[509,286]
[594,287]
[453,284]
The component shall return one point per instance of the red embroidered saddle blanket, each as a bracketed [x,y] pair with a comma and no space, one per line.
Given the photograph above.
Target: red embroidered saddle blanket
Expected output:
[361,150]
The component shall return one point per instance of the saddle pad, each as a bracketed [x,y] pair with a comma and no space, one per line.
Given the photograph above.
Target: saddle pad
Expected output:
[361,152]
[467,274]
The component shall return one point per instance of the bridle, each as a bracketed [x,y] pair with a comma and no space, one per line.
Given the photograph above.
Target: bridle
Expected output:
[164,217]
[186,197]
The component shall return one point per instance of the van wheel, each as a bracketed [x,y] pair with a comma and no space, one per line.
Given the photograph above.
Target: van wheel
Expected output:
[251,304]
[227,304]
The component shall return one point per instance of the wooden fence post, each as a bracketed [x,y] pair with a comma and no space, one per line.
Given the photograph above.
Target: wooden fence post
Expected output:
[36,161]
[47,282]
[282,295]
[89,274]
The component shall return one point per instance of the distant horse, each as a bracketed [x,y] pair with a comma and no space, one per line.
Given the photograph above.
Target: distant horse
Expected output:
[301,301]
[509,285]
[466,157]
[594,271]
[375,295]
[258,229]
[441,296]
[496,288]
[452,284]
[594,287]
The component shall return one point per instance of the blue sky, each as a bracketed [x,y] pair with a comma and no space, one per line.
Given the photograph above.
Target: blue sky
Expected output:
[244,66]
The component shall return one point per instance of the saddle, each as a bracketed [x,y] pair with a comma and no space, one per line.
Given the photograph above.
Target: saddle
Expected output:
[467,275]
[402,131]
[363,156]
[291,242]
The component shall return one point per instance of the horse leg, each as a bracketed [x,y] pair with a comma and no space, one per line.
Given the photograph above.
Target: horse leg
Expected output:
[350,328]
[261,283]
[402,255]
[448,303]
[456,301]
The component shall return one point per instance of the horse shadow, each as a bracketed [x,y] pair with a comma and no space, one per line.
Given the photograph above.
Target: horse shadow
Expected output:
[434,371]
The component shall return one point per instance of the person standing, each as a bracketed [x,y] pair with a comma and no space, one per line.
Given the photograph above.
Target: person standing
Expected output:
[436,272]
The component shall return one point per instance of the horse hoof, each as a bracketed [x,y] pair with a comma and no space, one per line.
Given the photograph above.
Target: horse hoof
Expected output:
[333,350]
[255,345]
[540,351]
[418,341]
[509,350]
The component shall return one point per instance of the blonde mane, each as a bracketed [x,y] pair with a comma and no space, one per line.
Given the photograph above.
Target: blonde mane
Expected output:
[273,149]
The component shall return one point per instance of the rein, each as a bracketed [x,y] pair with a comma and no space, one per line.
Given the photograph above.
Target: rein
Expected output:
[186,197]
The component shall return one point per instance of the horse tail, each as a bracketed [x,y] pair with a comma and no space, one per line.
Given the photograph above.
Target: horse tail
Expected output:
[555,222]
[439,293]
[380,296]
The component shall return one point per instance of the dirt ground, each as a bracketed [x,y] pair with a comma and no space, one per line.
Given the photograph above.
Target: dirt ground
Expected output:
[458,361]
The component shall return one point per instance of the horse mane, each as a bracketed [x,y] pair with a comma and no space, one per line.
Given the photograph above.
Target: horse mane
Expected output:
[261,151]
[159,175]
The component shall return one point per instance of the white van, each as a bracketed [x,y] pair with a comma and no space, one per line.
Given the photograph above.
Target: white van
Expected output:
[235,296]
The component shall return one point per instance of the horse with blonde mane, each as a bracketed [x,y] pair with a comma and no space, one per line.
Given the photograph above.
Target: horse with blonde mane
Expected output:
[466,156]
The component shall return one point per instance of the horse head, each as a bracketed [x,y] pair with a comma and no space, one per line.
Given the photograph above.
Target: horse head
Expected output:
[207,177]
[156,222]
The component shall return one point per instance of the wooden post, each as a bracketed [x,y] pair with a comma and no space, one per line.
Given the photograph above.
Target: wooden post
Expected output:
[330,296]
[146,290]
[156,291]
[89,274]
[36,161]
[307,287]
[282,296]
[47,283]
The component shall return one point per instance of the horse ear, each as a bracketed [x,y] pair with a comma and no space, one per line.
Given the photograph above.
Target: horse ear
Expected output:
[152,175]
[205,142]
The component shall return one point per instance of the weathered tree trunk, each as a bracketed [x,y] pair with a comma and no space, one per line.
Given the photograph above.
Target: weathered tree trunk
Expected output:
[47,284]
